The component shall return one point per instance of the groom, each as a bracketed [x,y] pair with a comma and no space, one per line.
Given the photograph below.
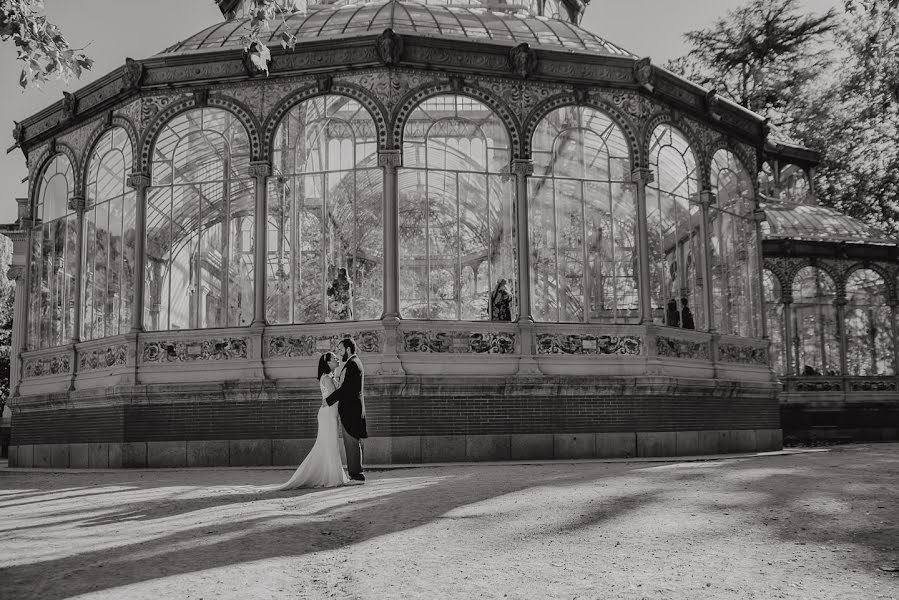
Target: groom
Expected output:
[351,407]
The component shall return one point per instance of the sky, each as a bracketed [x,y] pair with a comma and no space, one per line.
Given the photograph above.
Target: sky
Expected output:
[113,29]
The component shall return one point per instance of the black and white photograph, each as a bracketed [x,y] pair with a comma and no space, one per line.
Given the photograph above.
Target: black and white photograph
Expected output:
[449,299]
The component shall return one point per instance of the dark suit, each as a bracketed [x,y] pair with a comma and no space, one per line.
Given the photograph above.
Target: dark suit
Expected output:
[352,413]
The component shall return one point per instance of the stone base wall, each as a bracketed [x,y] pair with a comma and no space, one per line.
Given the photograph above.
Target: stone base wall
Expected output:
[411,419]
[838,417]
[395,450]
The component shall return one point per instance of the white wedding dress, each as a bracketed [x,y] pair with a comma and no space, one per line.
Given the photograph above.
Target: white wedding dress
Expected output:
[322,467]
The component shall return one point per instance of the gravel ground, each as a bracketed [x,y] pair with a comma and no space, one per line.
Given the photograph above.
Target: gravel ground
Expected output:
[814,524]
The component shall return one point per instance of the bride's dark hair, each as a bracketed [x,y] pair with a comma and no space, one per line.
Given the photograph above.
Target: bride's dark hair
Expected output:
[323,368]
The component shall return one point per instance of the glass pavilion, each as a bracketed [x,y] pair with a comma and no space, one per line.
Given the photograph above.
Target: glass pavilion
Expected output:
[543,245]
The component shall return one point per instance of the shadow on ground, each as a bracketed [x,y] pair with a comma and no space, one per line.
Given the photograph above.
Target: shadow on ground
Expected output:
[797,498]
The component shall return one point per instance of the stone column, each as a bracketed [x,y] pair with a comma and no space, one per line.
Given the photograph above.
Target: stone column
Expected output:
[522,168]
[641,177]
[390,161]
[16,273]
[706,199]
[260,170]
[759,216]
[19,272]
[787,300]
[140,182]
[77,204]
[840,303]
[894,323]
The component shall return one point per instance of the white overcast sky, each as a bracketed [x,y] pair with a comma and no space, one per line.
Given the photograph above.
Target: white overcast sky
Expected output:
[114,29]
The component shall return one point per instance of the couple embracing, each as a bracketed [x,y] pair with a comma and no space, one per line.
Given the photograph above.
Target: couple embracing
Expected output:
[341,379]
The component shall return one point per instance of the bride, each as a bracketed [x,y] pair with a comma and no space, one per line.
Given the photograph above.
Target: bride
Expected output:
[322,466]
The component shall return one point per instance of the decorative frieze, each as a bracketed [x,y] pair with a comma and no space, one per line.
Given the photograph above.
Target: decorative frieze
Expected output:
[45,366]
[747,355]
[559,343]
[676,348]
[194,350]
[150,106]
[285,346]
[873,385]
[817,385]
[459,342]
[103,358]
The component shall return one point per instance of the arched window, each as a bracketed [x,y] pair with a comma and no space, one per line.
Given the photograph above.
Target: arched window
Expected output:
[816,347]
[674,218]
[774,316]
[733,248]
[108,271]
[457,243]
[199,268]
[325,231]
[54,258]
[868,325]
[582,227]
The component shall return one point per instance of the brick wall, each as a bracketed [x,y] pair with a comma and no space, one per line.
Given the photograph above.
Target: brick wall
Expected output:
[436,406]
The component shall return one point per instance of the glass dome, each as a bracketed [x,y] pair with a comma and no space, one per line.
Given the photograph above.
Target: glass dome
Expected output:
[473,22]
[817,223]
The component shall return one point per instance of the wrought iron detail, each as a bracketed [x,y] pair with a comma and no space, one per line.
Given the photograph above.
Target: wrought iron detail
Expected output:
[459,342]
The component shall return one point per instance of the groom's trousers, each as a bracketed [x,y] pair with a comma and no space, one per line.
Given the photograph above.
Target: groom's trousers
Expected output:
[353,447]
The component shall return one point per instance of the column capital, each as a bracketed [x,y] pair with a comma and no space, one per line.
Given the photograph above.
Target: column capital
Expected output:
[24,208]
[16,273]
[260,168]
[642,175]
[390,159]
[706,197]
[138,180]
[77,203]
[522,166]
[759,215]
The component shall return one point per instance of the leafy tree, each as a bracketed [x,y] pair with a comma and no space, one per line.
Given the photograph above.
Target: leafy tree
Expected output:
[46,54]
[39,43]
[830,82]
[7,298]
[759,55]
[851,116]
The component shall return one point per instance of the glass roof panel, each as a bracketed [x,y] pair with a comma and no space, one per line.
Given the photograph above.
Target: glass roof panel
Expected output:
[810,222]
[467,20]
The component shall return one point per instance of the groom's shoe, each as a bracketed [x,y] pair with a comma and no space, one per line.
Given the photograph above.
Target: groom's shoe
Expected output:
[357,477]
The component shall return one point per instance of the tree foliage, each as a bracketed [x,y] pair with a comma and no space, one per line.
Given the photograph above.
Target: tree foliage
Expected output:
[758,55]
[260,14]
[39,43]
[829,82]
[7,299]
